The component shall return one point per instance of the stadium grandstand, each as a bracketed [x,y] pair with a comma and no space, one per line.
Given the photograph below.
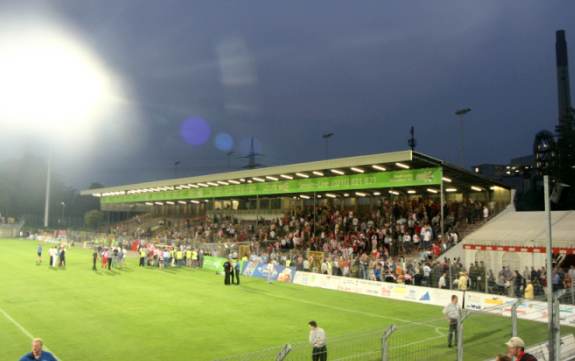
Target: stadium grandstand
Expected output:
[352,217]
[403,203]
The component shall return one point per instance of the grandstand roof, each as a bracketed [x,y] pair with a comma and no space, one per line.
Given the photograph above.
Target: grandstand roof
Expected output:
[393,164]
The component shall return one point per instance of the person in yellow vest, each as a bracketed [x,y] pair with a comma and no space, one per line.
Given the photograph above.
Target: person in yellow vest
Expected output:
[462,282]
[528,291]
[179,257]
[173,257]
[142,257]
[194,258]
[189,257]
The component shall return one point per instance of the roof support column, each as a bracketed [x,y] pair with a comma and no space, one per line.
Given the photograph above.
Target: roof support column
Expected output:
[314,213]
[442,205]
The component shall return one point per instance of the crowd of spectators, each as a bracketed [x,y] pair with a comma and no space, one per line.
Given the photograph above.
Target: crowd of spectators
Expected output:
[391,227]
[395,241]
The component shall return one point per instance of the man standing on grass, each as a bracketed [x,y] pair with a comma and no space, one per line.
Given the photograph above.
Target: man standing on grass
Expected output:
[62,262]
[37,353]
[142,257]
[452,313]
[227,271]
[318,341]
[94,259]
[39,253]
[233,282]
[52,254]
[237,267]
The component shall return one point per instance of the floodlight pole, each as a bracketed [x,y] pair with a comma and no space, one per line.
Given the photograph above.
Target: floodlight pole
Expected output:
[549,276]
[48,188]
[460,114]
[326,138]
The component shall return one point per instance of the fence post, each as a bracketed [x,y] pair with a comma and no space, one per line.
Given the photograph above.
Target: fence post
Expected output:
[555,341]
[384,342]
[514,317]
[450,276]
[285,350]
[462,316]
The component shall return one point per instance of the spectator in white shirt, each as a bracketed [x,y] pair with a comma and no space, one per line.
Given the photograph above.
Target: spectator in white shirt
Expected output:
[318,341]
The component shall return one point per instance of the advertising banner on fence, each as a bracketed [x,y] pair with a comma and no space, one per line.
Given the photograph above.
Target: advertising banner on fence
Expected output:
[430,296]
[527,310]
[260,270]
[214,263]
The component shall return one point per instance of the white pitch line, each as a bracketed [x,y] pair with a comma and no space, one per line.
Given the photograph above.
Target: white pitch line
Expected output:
[24,331]
[417,342]
[354,311]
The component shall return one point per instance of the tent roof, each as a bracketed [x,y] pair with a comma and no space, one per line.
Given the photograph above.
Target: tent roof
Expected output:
[511,228]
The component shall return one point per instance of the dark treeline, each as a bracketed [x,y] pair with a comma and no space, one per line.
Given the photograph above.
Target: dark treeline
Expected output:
[23,190]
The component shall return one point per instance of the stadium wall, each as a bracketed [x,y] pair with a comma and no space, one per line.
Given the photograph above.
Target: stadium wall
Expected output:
[396,291]
[474,301]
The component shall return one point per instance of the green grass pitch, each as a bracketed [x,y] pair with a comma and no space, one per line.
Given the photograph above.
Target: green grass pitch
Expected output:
[150,314]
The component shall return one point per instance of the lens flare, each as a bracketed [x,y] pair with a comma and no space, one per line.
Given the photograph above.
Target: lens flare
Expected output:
[224,142]
[195,131]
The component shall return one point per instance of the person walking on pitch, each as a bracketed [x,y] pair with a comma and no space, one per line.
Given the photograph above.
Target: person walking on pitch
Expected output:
[452,313]
[39,253]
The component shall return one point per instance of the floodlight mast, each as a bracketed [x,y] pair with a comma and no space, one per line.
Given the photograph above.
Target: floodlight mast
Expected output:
[460,114]
[48,188]
[71,89]
[326,137]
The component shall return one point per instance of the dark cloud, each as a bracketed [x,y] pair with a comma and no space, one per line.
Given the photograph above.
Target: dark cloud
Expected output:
[285,72]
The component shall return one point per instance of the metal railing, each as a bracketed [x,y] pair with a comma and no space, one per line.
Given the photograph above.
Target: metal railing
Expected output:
[365,346]
[415,340]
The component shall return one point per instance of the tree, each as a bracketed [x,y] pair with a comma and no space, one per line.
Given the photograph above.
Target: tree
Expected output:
[94,218]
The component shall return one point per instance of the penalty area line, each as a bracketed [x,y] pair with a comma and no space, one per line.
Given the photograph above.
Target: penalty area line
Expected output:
[24,331]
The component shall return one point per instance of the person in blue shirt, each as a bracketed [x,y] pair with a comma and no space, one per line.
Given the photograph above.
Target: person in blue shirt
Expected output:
[37,353]
[39,253]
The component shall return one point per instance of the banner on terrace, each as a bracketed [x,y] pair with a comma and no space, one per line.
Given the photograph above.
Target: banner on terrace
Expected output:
[397,291]
[527,310]
[260,270]
[390,179]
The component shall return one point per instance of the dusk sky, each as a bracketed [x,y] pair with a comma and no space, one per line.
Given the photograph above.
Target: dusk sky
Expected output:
[286,72]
